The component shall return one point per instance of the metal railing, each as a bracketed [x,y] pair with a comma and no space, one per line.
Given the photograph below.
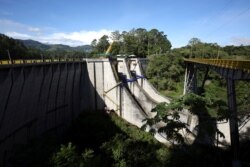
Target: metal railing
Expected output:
[34,61]
[224,63]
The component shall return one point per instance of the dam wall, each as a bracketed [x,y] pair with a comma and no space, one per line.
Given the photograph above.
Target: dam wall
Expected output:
[116,96]
[145,101]
[138,67]
[41,98]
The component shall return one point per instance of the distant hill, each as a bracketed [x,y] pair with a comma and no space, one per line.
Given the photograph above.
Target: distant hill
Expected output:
[34,44]
[13,47]
[55,47]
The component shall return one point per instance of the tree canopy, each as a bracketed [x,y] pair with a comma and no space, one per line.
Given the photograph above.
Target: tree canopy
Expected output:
[139,42]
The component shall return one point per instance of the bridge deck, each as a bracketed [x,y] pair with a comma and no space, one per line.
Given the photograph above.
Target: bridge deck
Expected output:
[243,65]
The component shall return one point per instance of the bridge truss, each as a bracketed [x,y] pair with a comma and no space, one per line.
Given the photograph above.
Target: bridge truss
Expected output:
[231,70]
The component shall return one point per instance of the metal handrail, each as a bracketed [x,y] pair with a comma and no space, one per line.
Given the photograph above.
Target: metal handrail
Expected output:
[224,63]
[34,61]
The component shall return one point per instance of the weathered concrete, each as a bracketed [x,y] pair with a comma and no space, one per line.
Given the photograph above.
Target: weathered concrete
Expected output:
[145,101]
[40,98]
[138,66]
[116,96]
[46,97]
[37,98]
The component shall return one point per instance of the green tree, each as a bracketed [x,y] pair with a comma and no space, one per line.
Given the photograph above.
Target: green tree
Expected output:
[102,44]
[158,42]
[67,156]
[169,114]
[115,35]
[140,42]
[165,70]
[15,48]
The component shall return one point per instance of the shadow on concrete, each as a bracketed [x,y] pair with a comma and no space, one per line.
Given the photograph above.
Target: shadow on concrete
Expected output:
[42,99]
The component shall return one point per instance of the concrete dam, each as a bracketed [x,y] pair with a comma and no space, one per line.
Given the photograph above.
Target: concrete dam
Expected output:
[45,97]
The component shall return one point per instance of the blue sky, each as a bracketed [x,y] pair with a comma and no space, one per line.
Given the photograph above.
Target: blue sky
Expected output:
[78,22]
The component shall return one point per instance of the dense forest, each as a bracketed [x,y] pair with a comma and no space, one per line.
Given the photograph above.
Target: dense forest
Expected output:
[144,43]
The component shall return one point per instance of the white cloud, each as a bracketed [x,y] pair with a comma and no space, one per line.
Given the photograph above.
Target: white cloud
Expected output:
[12,26]
[17,35]
[77,38]
[34,29]
[240,40]
[48,35]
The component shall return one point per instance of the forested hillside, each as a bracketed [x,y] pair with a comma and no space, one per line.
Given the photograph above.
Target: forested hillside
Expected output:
[55,47]
[29,49]
[10,46]
[139,42]
[145,43]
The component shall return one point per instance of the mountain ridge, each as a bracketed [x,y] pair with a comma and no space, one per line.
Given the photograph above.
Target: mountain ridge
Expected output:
[29,43]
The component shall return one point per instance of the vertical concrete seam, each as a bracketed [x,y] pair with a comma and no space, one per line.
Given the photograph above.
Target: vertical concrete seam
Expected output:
[24,80]
[65,88]
[72,92]
[8,96]
[50,84]
[57,87]
[103,80]
[95,94]
[40,91]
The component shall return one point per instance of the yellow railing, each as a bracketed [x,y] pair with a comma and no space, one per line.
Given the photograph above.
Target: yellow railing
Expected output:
[225,63]
[33,61]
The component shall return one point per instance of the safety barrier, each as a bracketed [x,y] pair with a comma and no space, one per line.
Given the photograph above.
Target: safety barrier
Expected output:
[224,63]
[34,61]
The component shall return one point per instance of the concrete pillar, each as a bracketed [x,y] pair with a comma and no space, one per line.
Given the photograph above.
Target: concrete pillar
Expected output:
[234,132]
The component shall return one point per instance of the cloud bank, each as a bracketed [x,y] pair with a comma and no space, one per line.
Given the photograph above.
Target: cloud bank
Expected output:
[46,35]
[240,40]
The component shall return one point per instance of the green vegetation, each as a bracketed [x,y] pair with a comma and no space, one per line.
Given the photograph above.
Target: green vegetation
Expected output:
[96,139]
[164,71]
[197,48]
[196,105]
[29,49]
[139,42]
[13,47]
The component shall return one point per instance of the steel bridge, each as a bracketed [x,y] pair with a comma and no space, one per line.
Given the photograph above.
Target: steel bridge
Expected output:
[231,70]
